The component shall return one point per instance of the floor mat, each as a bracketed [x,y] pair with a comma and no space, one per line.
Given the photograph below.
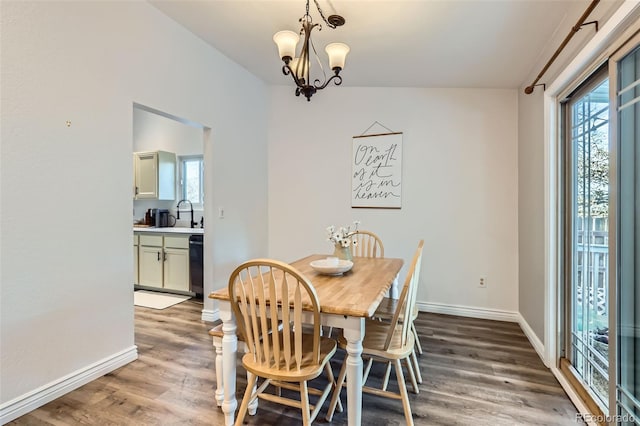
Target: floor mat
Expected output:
[155,300]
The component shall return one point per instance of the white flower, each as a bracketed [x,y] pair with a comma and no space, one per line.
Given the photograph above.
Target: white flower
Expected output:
[342,236]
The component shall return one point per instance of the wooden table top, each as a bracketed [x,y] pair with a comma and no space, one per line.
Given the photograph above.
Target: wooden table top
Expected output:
[356,293]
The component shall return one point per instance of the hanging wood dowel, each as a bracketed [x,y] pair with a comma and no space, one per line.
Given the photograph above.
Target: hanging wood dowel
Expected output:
[529,89]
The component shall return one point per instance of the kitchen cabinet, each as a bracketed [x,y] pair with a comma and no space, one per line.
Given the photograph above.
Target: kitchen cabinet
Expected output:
[150,260]
[135,258]
[154,175]
[176,265]
[164,261]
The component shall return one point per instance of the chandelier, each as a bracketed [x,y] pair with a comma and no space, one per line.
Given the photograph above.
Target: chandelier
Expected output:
[299,67]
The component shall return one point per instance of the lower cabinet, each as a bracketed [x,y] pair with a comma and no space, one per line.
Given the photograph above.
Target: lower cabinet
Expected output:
[163,261]
[176,263]
[135,258]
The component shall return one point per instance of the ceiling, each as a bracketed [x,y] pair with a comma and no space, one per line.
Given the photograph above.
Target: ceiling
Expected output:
[419,43]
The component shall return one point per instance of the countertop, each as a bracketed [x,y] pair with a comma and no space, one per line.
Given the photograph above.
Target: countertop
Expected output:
[177,230]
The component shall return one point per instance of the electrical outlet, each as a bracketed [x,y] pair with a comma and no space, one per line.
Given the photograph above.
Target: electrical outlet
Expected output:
[482,283]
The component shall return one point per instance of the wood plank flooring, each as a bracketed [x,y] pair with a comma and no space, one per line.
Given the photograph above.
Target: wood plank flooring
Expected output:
[476,372]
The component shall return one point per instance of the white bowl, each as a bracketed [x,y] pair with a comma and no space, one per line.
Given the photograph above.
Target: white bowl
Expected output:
[329,267]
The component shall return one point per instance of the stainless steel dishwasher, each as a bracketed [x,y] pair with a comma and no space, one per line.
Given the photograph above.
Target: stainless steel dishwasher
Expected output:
[196,243]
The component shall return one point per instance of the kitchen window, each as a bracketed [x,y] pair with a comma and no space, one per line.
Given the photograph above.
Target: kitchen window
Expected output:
[192,179]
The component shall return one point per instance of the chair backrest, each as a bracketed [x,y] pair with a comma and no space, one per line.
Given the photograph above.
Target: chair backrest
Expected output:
[268,297]
[368,245]
[407,300]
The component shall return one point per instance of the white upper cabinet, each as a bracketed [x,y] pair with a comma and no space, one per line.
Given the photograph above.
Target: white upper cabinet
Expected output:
[154,175]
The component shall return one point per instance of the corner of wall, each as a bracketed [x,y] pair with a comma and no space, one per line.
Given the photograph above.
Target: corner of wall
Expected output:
[533,339]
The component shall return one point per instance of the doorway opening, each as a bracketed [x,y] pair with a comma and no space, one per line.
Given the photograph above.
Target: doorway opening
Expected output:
[168,207]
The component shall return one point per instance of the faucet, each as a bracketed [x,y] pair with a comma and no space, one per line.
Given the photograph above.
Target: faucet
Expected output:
[191,222]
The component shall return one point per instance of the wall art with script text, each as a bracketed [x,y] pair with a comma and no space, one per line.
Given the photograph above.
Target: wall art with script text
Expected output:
[376,174]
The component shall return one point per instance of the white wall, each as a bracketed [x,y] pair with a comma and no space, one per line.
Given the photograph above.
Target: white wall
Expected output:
[153,132]
[531,209]
[66,264]
[459,183]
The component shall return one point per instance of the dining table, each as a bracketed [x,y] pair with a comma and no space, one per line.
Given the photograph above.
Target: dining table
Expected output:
[346,301]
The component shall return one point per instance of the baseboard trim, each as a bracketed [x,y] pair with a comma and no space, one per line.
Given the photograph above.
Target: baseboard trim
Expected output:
[581,407]
[533,339]
[210,315]
[468,311]
[44,394]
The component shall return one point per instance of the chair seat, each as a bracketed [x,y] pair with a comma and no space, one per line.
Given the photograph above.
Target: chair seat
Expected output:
[309,369]
[375,337]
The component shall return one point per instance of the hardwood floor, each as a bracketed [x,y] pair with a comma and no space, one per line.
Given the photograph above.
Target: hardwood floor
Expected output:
[476,372]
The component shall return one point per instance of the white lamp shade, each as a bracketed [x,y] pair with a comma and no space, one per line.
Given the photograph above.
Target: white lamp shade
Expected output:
[337,54]
[287,42]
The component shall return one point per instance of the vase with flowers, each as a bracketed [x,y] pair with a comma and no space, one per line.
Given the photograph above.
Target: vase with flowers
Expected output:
[342,239]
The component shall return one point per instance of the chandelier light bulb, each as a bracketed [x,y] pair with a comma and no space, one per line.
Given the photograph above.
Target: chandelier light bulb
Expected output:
[287,42]
[337,53]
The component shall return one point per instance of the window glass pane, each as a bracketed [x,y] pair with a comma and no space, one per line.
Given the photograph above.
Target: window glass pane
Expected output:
[589,180]
[192,182]
[628,90]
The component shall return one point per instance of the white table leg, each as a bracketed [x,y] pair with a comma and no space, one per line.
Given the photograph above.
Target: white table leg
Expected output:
[219,394]
[229,353]
[393,291]
[354,333]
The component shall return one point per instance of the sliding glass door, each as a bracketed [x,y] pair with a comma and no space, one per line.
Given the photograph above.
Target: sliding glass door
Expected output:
[600,335]
[626,83]
[586,350]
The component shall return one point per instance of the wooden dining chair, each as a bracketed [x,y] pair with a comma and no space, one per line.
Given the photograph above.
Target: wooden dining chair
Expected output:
[268,298]
[388,342]
[385,311]
[370,245]
[367,244]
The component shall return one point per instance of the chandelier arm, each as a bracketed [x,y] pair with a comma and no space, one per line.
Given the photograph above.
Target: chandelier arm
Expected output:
[337,79]
[286,70]
[304,61]
[315,53]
